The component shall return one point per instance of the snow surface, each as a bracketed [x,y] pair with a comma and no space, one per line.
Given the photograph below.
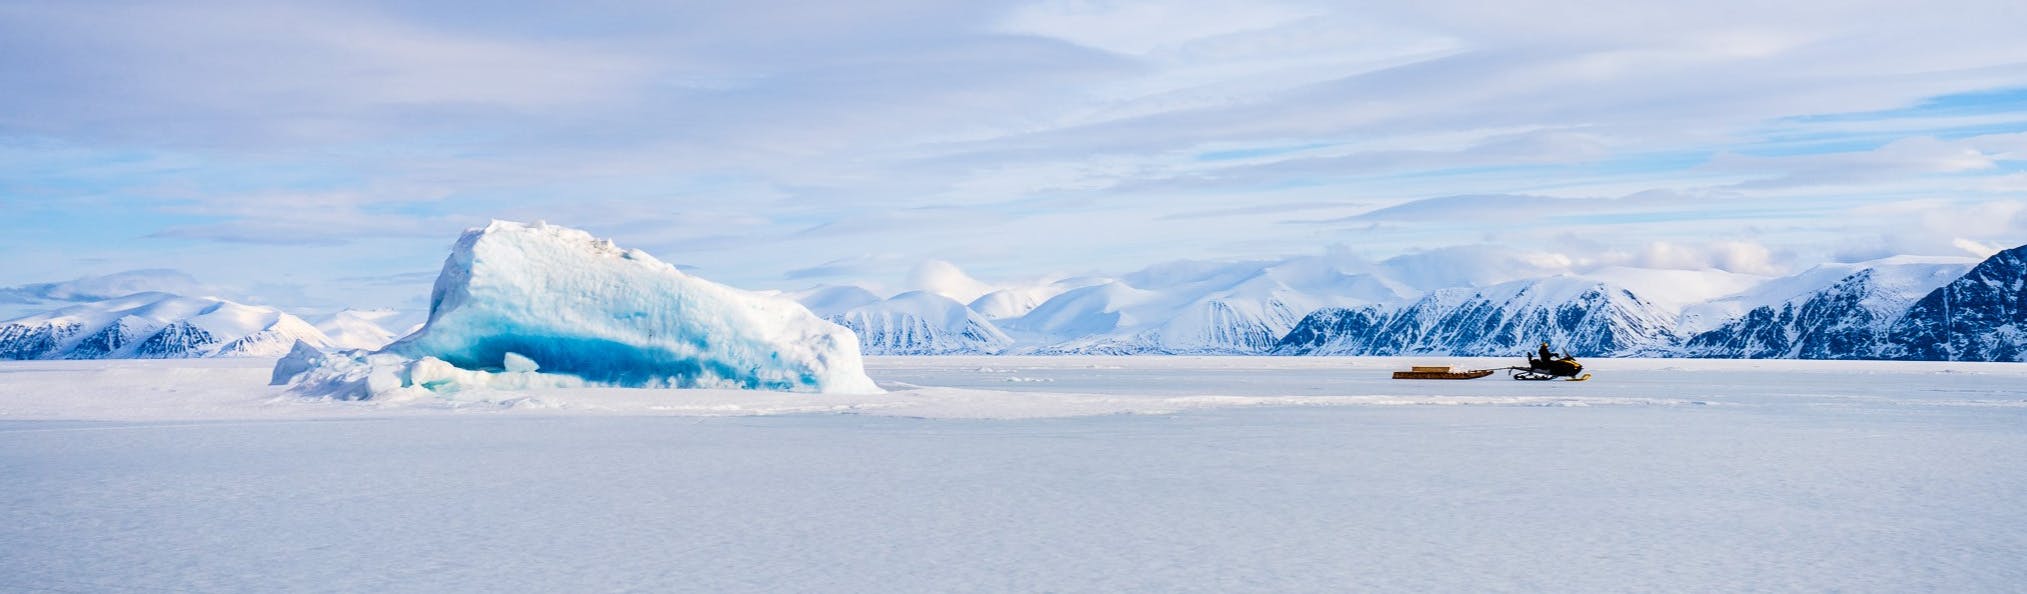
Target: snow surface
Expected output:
[1018,474]
[1018,387]
[588,312]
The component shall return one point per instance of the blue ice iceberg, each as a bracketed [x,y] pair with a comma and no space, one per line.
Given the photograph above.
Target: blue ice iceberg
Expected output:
[538,305]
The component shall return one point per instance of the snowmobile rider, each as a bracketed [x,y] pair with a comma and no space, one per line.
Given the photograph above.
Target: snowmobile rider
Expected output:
[1546,356]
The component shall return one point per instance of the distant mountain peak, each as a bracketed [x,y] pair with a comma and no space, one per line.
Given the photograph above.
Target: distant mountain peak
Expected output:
[946,279]
[156,325]
[359,329]
[1848,318]
[921,323]
[1577,315]
[1981,316]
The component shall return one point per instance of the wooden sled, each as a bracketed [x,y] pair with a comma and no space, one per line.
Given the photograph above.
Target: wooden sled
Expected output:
[1441,372]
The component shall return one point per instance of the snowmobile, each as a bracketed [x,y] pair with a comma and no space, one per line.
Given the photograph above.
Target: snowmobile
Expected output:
[1548,369]
[1566,368]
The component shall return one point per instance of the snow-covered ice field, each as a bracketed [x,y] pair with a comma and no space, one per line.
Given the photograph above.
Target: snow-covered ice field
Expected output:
[1077,474]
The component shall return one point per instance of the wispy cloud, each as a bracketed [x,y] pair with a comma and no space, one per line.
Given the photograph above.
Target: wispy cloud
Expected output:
[1265,209]
[23,299]
[764,140]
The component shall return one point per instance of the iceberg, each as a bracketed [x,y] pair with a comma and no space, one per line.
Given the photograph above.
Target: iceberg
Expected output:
[545,306]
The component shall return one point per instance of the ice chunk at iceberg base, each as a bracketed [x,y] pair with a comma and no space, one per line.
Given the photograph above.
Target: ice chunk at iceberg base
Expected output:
[364,375]
[520,306]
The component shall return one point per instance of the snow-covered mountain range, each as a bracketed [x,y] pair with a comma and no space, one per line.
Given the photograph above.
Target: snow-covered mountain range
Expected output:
[1196,307]
[156,325]
[1801,317]
[1980,316]
[1888,308]
[1579,315]
[1895,308]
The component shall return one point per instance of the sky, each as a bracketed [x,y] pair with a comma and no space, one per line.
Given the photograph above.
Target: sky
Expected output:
[316,155]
